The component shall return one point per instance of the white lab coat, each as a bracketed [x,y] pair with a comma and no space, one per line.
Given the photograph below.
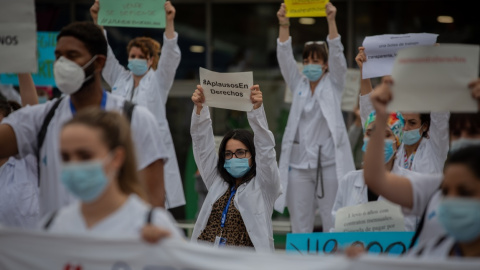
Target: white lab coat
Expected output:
[353,191]
[19,205]
[437,247]
[328,94]
[432,152]
[254,199]
[152,93]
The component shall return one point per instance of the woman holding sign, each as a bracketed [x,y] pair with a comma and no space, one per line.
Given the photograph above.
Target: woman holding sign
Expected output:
[425,140]
[315,148]
[147,82]
[242,180]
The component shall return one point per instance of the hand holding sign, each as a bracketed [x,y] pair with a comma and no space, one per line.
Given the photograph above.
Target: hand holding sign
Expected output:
[169,11]
[331,11]
[256,96]
[282,15]
[361,57]
[198,98]
[94,11]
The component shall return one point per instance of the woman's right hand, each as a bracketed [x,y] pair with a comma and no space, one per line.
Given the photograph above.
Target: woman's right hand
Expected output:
[361,57]
[282,15]
[198,98]
[94,11]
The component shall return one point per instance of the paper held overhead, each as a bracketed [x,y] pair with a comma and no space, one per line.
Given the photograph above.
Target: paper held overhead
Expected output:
[433,79]
[306,8]
[128,13]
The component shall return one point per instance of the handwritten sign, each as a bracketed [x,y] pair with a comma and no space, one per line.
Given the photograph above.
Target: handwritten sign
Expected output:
[18,36]
[351,90]
[306,8]
[381,51]
[227,90]
[378,216]
[435,78]
[395,243]
[46,43]
[132,13]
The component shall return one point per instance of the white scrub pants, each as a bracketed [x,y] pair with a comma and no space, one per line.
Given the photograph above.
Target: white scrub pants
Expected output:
[302,198]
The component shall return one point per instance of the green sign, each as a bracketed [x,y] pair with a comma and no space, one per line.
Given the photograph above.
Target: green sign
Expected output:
[132,13]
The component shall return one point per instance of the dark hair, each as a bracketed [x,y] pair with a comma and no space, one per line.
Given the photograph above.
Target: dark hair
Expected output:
[425,120]
[89,34]
[469,122]
[246,137]
[321,51]
[7,107]
[468,156]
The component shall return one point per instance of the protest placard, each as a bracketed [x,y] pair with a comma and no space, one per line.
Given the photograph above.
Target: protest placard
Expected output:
[132,13]
[433,79]
[382,49]
[392,243]
[377,216]
[18,37]
[227,90]
[351,90]
[46,43]
[306,8]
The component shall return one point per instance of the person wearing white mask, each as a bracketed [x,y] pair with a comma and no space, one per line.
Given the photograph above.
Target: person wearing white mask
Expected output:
[147,82]
[242,180]
[316,151]
[99,168]
[425,136]
[80,57]
[352,189]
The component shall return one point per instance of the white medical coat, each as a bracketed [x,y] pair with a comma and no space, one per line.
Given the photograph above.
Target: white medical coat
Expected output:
[328,94]
[253,199]
[152,93]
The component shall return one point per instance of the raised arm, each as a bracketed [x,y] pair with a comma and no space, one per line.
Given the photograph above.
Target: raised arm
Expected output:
[394,188]
[266,164]
[365,88]
[331,11]
[202,138]
[337,64]
[28,91]
[170,57]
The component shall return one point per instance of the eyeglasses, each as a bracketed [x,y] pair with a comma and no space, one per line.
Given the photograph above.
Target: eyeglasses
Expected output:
[240,153]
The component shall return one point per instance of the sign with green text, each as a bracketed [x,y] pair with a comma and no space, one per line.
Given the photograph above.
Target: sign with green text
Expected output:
[132,13]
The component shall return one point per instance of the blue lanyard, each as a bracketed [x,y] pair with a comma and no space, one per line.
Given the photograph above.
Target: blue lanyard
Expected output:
[103,103]
[224,214]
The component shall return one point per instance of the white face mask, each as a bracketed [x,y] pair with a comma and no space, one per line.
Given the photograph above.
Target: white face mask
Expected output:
[69,76]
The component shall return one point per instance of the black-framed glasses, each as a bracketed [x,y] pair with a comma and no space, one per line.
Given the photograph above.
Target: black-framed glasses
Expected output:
[239,153]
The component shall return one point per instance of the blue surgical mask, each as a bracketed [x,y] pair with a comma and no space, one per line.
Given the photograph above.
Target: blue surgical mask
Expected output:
[42,99]
[313,72]
[85,180]
[387,149]
[237,167]
[461,218]
[138,66]
[411,137]
[463,143]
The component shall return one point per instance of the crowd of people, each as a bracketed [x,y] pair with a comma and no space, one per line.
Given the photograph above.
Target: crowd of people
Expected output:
[103,162]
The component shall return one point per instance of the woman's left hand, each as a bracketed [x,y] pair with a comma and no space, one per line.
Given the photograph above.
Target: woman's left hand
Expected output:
[153,234]
[169,11]
[256,96]
[331,11]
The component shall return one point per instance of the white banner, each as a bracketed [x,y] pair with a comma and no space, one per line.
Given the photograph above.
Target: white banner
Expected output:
[351,90]
[26,250]
[227,90]
[381,51]
[378,216]
[435,78]
[18,37]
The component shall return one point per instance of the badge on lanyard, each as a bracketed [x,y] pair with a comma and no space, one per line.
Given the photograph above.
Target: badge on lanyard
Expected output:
[219,240]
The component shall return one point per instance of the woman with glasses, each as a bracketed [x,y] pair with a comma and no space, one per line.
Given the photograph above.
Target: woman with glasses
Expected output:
[315,148]
[242,180]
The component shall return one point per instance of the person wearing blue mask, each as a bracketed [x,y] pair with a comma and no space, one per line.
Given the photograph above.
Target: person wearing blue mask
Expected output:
[425,136]
[147,82]
[99,168]
[316,151]
[352,189]
[242,180]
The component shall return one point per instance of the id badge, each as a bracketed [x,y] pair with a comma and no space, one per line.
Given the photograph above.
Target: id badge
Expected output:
[219,241]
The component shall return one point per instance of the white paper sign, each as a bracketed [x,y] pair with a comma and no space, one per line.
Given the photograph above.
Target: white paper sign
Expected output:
[351,90]
[435,78]
[227,90]
[378,216]
[18,37]
[381,51]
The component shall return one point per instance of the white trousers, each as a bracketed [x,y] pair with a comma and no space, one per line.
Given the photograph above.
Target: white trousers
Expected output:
[303,198]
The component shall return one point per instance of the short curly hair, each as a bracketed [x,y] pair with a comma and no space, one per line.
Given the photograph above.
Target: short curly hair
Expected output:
[148,46]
